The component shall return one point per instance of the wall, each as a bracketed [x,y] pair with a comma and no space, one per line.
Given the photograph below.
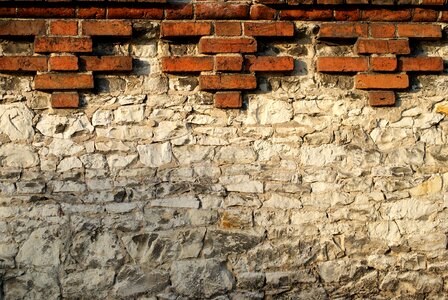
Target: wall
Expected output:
[223,150]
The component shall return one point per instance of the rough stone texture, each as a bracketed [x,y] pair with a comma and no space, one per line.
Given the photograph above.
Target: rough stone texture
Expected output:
[150,192]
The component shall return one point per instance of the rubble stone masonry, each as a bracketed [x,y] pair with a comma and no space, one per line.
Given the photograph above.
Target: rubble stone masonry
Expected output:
[265,149]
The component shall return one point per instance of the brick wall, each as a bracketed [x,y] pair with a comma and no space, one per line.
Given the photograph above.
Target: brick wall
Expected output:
[223,150]
[227,34]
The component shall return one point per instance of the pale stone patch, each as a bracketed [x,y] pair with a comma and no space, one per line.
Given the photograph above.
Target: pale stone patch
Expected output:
[16,121]
[19,156]
[155,155]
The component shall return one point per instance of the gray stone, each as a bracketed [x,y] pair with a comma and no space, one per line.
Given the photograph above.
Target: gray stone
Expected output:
[40,250]
[88,283]
[133,281]
[201,278]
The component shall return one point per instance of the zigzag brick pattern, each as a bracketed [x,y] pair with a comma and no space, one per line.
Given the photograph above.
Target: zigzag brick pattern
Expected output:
[382,62]
[62,48]
[228,37]
[229,61]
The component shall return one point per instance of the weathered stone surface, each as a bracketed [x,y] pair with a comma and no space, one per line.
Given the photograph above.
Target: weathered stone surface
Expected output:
[132,281]
[157,248]
[87,283]
[155,155]
[209,277]
[39,250]
[129,114]
[63,127]
[18,156]
[16,121]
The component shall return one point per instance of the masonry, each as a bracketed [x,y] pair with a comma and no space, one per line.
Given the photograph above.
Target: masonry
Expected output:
[264,149]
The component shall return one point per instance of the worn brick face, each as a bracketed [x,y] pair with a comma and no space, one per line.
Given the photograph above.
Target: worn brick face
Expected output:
[62,44]
[227,82]
[381,81]
[227,45]
[23,63]
[63,81]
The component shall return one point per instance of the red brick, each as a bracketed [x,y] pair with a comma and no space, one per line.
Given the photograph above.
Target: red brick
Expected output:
[23,63]
[382,81]
[181,29]
[107,28]
[433,2]
[357,1]
[381,98]
[216,11]
[269,29]
[423,31]
[272,1]
[63,81]
[22,27]
[8,11]
[119,12]
[269,63]
[229,63]
[347,15]
[187,64]
[343,30]
[330,2]
[62,44]
[179,12]
[299,2]
[91,13]
[63,63]
[227,45]
[65,100]
[228,100]
[369,46]
[227,82]
[342,64]
[307,14]
[386,64]
[444,16]
[424,15]
[421,64]
[383,2]
[106,63]
[45,12]
[62,27]
[262,12]
[227,28]
[386,15]
[382,30]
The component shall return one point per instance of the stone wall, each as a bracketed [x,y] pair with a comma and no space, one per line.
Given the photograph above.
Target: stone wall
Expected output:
[125,178]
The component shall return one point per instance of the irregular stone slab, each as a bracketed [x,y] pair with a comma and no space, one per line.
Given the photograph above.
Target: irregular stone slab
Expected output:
[40,249]
[18,156]
[155,155]
[132,281]
[16,121]
[201,278]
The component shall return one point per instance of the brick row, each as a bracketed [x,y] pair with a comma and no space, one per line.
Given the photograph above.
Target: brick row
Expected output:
[379,64]
[352,30]
[256,29]
[65,63]
[236,11]
[227,63]
[65,28]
